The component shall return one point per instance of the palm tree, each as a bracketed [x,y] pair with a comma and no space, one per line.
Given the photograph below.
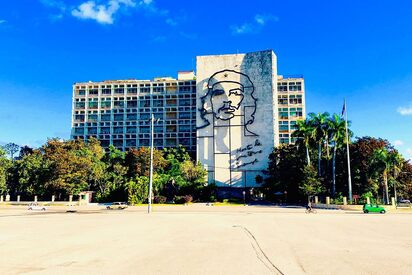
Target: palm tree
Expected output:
[381,157]
[320,123]
[306,132]
[396,162]
[337,132]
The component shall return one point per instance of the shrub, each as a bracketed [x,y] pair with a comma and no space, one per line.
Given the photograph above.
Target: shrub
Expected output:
[160,199]
[188,198]
[179,199]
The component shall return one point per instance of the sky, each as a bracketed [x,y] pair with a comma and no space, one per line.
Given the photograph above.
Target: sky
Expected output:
[358,50]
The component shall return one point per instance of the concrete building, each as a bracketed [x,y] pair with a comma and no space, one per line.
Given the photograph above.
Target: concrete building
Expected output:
[291,106]
[230,115]
[118,112]
[236,119]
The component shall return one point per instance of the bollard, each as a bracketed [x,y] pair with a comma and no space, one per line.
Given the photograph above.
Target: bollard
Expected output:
[53,198]
[327,200]
[368,200]
[1,198]
[7,197]
[393,201]
[345,201]
[316,200]
[35,198]
[70,198]
[18,198]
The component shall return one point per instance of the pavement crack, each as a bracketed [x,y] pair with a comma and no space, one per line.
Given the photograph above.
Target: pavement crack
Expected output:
[261,255]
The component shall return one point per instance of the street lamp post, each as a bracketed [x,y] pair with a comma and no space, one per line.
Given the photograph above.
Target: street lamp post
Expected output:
[149,209]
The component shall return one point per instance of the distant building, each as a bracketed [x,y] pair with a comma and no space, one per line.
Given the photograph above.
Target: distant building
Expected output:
[230,115]
[118,112]
[291,106]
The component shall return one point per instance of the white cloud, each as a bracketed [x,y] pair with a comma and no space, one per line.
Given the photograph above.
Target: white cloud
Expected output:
[260,20]
[398,142]
[405,111]
[103,13]
[408,153]
[54,4]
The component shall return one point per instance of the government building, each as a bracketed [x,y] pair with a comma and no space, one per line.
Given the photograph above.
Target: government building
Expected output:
[230,114]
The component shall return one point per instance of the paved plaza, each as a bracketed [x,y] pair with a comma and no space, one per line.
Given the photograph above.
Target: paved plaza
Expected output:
[199,239]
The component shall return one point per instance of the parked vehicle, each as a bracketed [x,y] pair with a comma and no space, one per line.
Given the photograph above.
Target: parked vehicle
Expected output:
[117,205]
[36,206]
[403,203]
[373,208]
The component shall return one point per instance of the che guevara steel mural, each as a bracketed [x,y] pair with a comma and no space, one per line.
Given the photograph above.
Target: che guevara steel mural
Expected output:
[230,94]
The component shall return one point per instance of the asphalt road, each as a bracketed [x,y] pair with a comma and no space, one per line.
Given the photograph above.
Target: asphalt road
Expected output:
[203,240]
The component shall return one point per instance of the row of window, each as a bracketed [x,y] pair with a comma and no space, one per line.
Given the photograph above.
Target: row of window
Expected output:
[133,91]
[285,113]
[190,144]
[134,129]
[289,86]
[135,117]
[133,103]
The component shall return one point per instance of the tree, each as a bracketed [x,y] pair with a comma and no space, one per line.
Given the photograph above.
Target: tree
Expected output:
[285,171]
[306,132]
[320,122]
[337,133]
[5,164]
[138,162]
[311,185]
[11,149]
[381,159]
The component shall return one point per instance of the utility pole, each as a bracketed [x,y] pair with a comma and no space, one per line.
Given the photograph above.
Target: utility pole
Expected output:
[348,154]
[149,209]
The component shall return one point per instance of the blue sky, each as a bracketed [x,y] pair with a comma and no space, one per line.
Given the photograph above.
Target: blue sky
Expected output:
[354,49]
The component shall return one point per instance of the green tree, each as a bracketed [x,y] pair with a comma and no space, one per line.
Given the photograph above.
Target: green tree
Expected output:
[5,164]
[11,148]
[337,133]
[311,185]
[138,161]
[305,132]
[382,160]
[320,123]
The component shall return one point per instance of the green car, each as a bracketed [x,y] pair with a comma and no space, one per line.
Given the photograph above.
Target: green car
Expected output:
[373,208]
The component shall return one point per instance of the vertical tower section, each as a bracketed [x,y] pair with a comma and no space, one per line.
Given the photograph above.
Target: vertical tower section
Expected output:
[291,106]
[236,95]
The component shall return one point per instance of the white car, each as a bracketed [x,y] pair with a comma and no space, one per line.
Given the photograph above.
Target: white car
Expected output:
[36,206]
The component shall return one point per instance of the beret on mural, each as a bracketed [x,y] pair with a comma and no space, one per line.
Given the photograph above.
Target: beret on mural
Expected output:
[230,76]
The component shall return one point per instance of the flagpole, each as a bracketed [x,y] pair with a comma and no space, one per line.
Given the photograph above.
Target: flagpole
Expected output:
[348,154]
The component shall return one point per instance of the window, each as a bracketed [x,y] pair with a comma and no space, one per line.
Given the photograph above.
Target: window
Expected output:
[79,131]
[93,91]
[105,130]
[295,87]
[131,130]
[93,105]
[118,104]
[131,116]
[105,117]
[283,87]
[132,104]
[118,117]
[79,105]
[132,90]
[92,117]
[105,104]
[119,90]
[106,91]
[118,130]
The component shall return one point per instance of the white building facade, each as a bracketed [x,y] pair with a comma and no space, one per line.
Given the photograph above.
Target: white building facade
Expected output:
[236,116]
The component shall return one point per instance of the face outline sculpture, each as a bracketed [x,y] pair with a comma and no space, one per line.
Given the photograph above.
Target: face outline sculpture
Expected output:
[226,98]
[229,93]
